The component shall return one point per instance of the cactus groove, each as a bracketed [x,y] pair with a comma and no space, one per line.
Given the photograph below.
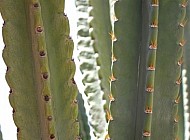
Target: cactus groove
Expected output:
[40,69]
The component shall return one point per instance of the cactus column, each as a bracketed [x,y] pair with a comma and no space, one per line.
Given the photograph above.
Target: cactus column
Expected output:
[40,69]
[146,57]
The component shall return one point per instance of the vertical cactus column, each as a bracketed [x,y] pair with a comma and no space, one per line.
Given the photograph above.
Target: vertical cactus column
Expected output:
[1,138]
[150,66]
[84,130]
[163,75]
[100,27]
[171,42]
[125,49]
[40,69]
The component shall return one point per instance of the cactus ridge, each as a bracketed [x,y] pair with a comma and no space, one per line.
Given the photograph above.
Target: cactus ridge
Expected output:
[181,42]
[125,36]
[99,13]
[113,58]
[170,43]
[40,69]
[151,66]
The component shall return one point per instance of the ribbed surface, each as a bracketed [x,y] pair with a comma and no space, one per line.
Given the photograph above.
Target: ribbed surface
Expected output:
[100,29]
[83,120]
[165,117]
[153,7]
[126,39]
[40,70]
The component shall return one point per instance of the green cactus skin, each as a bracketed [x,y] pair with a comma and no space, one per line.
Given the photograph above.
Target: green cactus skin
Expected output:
[151,64]
[128,100]
[1,138]
[124,71]
[40,70]
[83,120]
[89,70]
[186,68]
[100,28]
[168,66]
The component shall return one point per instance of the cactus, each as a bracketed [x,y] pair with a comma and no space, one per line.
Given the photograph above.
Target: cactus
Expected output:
[145,100]
[129,50]
[40,70]
[186,70]
[1,138]
[83,120]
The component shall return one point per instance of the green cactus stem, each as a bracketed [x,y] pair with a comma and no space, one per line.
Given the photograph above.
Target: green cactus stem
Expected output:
[40,69]
[150,66]
[83,120]
[100,27]
[186,78]
[1,137]
[130,88]
[125,48]
[168,66]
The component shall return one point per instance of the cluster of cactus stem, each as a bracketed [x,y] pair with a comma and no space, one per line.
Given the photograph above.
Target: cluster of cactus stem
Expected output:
[148,87]
[131,56]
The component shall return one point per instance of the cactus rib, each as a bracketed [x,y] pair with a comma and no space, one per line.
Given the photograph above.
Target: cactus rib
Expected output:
[40,70]
[170,42]
[181,43]
[151,65]
[125,51]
